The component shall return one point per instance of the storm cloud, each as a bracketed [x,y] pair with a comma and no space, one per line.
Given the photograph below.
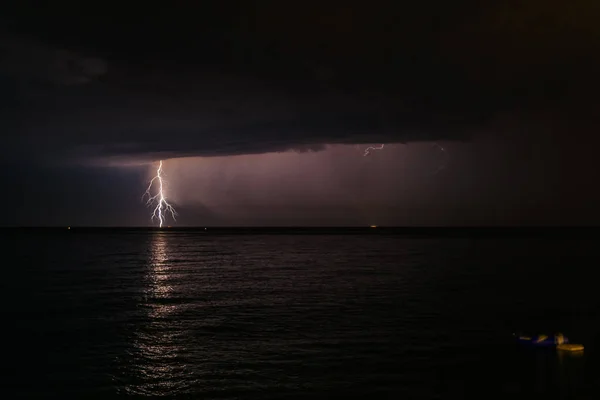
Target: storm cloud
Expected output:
[194,81]
[100,108]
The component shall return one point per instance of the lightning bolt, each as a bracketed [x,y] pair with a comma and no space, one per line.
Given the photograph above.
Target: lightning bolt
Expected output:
[162,208]
[368,149]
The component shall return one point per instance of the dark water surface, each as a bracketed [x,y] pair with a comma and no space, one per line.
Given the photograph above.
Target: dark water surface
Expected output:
[296,316]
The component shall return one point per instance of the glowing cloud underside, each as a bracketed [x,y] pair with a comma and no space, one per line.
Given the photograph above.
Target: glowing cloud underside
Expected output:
[162,208]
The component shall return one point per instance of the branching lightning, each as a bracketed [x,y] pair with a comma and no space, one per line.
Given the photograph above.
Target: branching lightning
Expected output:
[161,207]
[437,146]
[368,149]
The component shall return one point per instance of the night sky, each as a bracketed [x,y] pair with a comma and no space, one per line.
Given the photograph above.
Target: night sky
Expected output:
[262,111]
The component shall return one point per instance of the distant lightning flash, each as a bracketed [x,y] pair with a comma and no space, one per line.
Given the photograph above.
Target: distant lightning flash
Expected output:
[162,208]
[368,149]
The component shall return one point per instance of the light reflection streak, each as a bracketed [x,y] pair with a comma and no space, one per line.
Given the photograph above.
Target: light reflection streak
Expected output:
[155,360]
[158,274]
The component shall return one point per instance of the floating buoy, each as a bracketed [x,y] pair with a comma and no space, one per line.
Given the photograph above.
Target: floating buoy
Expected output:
[570,347]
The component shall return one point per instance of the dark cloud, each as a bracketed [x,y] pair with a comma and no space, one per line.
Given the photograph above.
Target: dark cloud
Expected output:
[30,62]
[241,78]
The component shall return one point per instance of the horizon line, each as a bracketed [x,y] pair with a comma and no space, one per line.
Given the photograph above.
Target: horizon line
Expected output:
[366,227]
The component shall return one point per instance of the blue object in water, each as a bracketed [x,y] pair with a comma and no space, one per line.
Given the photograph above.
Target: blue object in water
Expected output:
[542,340]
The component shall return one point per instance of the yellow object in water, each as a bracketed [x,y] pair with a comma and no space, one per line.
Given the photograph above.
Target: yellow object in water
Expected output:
[541,338]
[570,347]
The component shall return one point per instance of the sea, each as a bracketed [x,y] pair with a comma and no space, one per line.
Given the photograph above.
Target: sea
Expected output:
[298,314]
